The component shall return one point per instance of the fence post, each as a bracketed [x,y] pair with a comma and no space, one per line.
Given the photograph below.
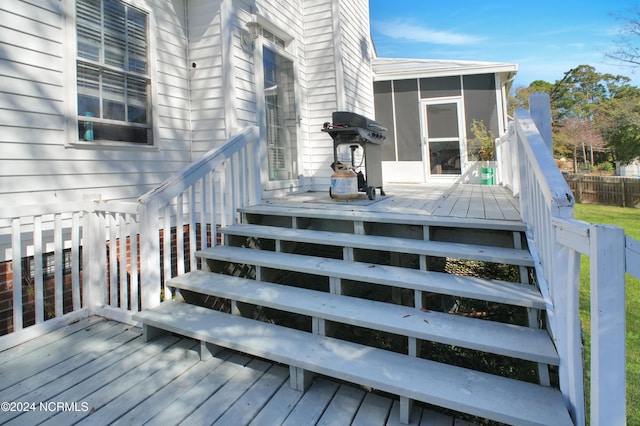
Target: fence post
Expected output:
[608,381]
[578,194]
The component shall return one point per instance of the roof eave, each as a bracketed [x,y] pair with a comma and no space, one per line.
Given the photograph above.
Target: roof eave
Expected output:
[389,73]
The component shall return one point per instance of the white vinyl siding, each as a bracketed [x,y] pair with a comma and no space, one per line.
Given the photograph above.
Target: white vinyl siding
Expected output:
[323,89]
[338,57]
[357,53]
[206,72]
[37,81]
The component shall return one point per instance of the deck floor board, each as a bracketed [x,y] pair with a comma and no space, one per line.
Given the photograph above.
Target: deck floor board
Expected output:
[124,380]
[467,201]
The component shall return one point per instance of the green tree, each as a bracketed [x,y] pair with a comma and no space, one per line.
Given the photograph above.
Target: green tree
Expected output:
[522,94]
[580,91]
[619,122]
[589,110]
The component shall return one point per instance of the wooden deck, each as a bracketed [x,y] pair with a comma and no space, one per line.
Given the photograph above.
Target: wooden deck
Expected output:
[100,372]
[464,201]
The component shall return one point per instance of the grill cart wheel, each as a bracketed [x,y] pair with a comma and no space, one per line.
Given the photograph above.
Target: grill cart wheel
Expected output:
[371,192]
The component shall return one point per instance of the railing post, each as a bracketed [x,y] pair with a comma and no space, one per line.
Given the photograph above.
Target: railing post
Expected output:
[565,283]
[150,284]
[93,256]
[608,362]
[254,165]
[16,267]
[540,109]
[514,154]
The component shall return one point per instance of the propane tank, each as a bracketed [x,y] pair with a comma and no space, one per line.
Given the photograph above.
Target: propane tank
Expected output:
[344,184]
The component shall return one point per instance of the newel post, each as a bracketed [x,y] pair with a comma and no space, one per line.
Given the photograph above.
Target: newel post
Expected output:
[540,110]
[94,256]
[608,328]
[150,284]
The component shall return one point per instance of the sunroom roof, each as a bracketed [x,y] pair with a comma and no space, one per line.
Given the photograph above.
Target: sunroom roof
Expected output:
[391,68]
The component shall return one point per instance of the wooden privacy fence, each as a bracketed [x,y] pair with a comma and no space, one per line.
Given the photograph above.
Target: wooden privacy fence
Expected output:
[610,190]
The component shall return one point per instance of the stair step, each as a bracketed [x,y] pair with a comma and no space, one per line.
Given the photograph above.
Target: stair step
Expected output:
[480,394]
[488,336]
[373,242]
[367,215]
[436,282]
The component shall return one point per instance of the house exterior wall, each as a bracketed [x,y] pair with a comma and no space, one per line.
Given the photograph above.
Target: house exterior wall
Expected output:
[338,57]
[40,162]
[329,42]
[204,90]
[207,83]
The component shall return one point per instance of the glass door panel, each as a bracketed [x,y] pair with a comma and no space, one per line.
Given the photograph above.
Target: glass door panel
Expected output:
[443,131]
[280,116]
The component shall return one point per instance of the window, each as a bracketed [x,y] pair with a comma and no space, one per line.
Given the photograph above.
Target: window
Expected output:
[113,72]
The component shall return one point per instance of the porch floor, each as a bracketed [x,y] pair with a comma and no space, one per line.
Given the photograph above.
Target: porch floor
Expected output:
[101,372]
[451,200]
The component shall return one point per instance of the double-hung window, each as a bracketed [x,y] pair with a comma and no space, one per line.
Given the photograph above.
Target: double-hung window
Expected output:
[113,83]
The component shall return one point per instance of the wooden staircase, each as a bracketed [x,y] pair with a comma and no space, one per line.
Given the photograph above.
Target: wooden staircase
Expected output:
[373,299]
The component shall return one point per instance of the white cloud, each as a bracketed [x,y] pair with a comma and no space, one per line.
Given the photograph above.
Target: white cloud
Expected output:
[402,29]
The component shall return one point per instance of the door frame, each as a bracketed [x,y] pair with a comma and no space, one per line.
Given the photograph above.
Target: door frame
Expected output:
[424,131]
[267,184]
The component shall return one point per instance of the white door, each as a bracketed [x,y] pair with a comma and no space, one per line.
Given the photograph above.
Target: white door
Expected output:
[443,137]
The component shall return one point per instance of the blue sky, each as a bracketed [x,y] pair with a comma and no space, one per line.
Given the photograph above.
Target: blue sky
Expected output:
[545,38]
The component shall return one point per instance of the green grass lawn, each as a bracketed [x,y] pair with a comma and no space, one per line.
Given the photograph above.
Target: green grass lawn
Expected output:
[629,219]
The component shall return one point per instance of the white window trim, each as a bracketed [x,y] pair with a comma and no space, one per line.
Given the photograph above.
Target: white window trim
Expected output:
[71,78]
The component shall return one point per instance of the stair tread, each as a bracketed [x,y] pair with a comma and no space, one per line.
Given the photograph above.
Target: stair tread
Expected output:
[447,386]
[374,242]
[494,337]
[436,282]
[366,215]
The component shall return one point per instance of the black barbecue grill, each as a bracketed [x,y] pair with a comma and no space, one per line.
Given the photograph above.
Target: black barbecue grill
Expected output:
[360,133]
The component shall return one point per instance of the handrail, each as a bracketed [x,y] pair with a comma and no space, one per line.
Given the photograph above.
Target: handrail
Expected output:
[232,169]
[556,190]
[212,159]
[167,220]
[557,240]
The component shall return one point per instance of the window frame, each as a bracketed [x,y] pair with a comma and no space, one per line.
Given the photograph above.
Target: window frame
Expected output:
[74,118]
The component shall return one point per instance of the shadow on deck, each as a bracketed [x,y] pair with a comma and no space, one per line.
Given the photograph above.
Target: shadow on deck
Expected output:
[101,372]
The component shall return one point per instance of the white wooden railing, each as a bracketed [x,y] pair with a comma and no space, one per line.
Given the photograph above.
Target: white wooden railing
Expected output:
[557,241]
[112,249]
[42,249]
